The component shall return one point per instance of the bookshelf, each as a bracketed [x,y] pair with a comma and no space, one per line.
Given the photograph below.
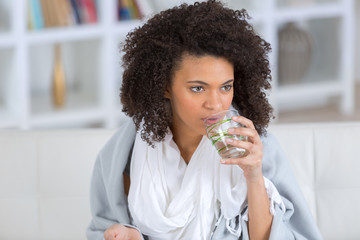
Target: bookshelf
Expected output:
[90,58]
[330,76]
[91,61]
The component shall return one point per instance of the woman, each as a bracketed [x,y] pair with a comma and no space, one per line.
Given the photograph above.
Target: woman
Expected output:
[159,176]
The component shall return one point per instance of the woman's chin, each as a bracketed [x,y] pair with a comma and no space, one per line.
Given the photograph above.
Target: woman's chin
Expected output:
[203,132]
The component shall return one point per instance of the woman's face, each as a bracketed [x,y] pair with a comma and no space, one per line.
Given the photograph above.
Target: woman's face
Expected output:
[201,86]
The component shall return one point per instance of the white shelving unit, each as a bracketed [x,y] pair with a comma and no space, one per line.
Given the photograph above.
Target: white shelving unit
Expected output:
[331,26]
[91,59]
[90,56]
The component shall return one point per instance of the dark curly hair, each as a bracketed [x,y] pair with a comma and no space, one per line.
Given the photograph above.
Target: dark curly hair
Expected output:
[153,53]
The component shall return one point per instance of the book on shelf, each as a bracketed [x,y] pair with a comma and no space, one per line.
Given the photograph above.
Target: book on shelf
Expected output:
[35,15]
[76,12]
[128,9]
[60,13]
[89,10]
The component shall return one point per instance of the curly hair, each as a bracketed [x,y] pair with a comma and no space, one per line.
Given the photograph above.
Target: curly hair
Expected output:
[154,51]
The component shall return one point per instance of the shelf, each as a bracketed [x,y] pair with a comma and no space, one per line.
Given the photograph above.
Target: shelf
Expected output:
[80,63]
[7,40]
[66,34]
[305,91]
[324,65]
[125,26]
[318,11]
[302,3]
[75,101]
[69,117]
[8,83]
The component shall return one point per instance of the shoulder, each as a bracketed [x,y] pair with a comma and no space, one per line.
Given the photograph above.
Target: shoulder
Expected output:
[271,145]
[274,159]
[117,149]
[124,136]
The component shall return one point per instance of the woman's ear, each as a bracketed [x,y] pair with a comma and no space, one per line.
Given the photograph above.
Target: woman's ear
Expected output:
[167,93]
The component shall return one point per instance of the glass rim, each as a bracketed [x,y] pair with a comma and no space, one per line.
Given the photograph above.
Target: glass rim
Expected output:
[218,113]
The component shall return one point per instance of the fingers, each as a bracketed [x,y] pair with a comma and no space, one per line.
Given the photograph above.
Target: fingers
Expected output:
[251,167]
[240,144]
[252,148]
[115,232]
[252,158]
[252,134]
[247,160]
[251,163]
[244,121]
[120,237]
[109,235]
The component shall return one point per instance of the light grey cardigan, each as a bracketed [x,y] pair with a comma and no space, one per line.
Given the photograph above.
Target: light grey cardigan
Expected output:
[109,205]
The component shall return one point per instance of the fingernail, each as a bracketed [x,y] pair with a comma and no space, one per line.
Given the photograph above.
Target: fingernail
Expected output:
[236,118]
[231,130]
[229,140]
[222,161]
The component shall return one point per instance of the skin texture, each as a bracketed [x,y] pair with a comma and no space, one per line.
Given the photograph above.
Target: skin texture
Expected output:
[201,87]
[120,232]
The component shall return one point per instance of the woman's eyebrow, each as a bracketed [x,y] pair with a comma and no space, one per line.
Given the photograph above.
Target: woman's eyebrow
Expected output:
[198,82]
[228,81]
[205,83]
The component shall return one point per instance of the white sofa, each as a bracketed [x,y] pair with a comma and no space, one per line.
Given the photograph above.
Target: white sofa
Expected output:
[45,175]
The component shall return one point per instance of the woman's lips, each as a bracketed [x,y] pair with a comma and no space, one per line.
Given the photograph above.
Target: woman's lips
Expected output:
[211,120]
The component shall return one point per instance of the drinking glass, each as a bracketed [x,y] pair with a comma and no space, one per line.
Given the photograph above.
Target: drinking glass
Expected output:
[217,126]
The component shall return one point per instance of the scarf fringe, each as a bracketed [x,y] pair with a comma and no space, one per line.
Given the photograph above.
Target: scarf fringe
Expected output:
[230,225]
[232,228]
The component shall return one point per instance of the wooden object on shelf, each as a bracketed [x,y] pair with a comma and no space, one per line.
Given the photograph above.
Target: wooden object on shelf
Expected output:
[295,51]
[58,84]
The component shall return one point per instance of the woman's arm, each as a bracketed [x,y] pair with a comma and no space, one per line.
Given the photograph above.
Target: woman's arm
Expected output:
[260,218]
[297,221]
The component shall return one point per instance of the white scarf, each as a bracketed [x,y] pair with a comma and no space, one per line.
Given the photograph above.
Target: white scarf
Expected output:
[171,200]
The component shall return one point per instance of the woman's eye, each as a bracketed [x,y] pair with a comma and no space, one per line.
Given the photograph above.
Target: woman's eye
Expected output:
[197,89]
[227,88]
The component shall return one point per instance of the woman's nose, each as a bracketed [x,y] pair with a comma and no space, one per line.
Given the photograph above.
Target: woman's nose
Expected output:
[213,102]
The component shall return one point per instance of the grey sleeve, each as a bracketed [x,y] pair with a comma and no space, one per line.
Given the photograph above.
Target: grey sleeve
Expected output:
[108,201]
[297,222]
[101,210]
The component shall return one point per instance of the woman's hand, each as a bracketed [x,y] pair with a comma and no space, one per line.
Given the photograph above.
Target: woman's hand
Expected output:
[251,163]
[120,232]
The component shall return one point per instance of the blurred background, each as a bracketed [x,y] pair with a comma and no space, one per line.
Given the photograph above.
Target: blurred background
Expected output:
[60,61]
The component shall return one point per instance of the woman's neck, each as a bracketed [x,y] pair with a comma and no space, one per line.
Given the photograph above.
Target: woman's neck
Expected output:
[187,142]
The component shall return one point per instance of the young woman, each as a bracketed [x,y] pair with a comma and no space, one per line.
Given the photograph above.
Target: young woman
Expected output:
[159,177]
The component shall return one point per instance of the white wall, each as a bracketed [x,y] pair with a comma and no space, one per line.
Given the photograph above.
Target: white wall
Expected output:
[357,41]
